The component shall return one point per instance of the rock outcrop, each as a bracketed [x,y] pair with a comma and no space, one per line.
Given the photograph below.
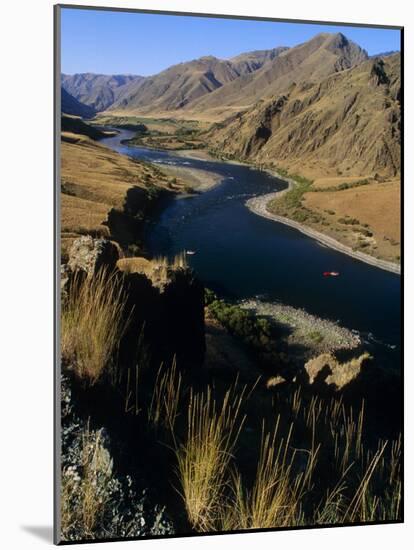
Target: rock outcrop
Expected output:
[325,370]
[168,301]
[90,255]
[164,303]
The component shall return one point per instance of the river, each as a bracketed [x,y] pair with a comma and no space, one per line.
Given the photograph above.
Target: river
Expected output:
[243,256]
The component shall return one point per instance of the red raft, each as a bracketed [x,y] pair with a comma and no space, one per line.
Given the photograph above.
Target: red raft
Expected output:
[330,274]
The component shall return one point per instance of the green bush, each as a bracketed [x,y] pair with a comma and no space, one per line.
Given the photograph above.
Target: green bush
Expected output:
[256,333]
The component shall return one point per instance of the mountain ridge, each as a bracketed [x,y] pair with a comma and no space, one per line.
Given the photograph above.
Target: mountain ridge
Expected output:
[348,122]
[97,90]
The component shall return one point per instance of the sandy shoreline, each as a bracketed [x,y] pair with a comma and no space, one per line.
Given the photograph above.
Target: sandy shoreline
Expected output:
[258,205]
[200,180]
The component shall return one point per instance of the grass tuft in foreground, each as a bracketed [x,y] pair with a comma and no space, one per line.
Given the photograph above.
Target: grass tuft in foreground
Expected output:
[92,324]
[313,468]
[203,460]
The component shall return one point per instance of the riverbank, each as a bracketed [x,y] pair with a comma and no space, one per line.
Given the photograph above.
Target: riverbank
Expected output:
[197,154]
[199,180]
[258,205]
[308,333]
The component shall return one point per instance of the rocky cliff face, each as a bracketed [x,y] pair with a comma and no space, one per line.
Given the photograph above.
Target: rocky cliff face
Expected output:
[165,308]
[347,123]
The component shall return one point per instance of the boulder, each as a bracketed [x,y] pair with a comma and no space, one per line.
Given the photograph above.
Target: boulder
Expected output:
[90,255]
[325,370]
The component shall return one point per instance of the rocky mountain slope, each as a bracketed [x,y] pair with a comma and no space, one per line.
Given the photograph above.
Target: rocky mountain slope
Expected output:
[97,90]
[180,85]
[212,88]
[71,106]
[346,123]
[311,61]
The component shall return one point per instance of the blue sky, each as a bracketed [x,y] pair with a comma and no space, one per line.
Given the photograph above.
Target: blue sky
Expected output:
[134,43]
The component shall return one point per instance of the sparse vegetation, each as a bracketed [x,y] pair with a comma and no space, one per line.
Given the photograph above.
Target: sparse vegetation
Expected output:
[348,221]
[342,186]
[312,468]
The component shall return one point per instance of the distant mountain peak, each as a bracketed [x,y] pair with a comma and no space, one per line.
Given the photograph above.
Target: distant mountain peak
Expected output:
[217,84]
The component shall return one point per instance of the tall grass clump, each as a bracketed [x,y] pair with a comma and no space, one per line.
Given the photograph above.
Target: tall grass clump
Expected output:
[92,324]
[278,488]
[316,467]
[204,458]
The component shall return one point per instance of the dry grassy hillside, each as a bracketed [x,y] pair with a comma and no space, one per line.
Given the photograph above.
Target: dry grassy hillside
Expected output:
[375,211]
[94,181]
[210,89]
[179,86]
[311,61]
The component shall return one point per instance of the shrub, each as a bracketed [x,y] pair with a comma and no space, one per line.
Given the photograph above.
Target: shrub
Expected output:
[365,232]
[348,221]
[255,332]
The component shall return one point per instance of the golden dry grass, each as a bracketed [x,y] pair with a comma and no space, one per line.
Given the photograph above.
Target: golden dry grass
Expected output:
[92,325]
[164,407]
[274,499]
[377,205]
[80,216]
[204,458]
[157,269]
[288,469]
[95,179]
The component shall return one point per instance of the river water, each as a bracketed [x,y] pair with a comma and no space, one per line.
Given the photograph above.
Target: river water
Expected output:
[242,255]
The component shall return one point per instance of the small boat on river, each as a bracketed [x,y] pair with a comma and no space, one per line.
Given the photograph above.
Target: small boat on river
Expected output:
[190,252]
[331,274]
